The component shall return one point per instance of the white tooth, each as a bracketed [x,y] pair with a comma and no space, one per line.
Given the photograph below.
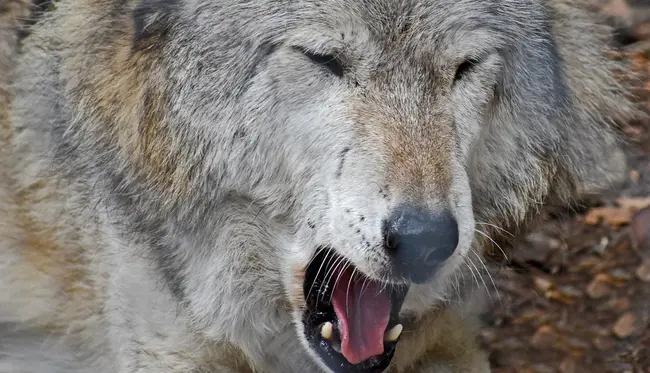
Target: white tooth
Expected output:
[326,330]
[394,333]
[336,346]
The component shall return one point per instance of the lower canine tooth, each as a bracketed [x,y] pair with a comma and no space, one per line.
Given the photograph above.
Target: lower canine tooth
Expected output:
[394,333]
[326,330]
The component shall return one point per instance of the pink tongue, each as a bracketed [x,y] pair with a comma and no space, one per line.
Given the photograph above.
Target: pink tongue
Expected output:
[363,313]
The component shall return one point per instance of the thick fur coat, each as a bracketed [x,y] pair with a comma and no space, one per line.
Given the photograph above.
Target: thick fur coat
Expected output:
[171,167]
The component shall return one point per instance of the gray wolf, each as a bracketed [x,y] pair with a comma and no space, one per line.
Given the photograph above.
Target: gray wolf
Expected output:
[231,186]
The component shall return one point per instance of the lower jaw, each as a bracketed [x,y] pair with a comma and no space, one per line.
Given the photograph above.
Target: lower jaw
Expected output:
[326,351]
[376,364]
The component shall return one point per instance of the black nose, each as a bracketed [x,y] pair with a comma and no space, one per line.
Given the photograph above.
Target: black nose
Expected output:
[418,241]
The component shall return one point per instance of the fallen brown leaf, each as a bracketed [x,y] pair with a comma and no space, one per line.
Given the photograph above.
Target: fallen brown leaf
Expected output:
[542,284]
[617,215]
[633,203]
[613,216]
[598,287]
[586,263]
[640,225]
[625,326]
[620,305]
[544,337]
[529,317]
[619,276]
[568,365]
[643,271]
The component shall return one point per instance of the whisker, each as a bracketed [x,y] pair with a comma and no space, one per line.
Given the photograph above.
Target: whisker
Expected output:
[456,285]
[489,275]
[471,270]
[363,285]
[482,279]
[318,272]
[347,292]
[494,242]
[333,270]
[330,265]
[496,227]
[338,277]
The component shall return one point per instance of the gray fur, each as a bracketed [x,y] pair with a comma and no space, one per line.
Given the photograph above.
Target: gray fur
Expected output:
[256,134]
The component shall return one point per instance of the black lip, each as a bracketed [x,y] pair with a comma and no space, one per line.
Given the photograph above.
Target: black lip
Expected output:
[319,310]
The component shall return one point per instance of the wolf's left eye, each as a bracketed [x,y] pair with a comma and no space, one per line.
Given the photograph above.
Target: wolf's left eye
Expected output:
[329,61]
[464,68]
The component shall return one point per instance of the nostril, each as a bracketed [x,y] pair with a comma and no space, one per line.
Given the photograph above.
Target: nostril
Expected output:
[390,240]
[419,241]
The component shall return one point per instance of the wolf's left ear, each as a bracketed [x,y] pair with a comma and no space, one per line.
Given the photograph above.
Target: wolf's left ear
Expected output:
[152,18]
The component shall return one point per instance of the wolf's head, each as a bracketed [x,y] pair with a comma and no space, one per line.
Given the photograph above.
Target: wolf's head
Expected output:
[327,162]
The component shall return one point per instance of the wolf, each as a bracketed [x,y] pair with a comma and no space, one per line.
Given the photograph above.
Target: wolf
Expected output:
[280,186]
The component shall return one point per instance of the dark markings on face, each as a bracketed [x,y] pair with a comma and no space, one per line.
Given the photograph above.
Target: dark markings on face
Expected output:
[339,170]
[239,134]
[152,17]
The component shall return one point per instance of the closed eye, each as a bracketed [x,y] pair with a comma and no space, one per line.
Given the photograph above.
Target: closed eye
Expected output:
[329,61]
[465,68]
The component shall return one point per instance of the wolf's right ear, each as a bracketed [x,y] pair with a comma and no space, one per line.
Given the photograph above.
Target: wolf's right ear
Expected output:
[152,18]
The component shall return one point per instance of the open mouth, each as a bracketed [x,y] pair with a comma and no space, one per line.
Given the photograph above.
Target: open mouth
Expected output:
[351,321]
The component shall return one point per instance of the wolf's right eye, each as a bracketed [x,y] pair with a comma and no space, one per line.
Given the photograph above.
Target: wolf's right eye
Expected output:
[329,61]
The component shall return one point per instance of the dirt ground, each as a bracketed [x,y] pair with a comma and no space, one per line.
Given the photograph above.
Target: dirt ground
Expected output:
[574,296]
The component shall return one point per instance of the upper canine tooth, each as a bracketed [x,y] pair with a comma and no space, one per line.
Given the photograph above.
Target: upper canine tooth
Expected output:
[394,333]
[326,330]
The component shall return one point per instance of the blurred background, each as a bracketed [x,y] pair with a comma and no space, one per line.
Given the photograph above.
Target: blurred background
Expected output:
[574,297]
